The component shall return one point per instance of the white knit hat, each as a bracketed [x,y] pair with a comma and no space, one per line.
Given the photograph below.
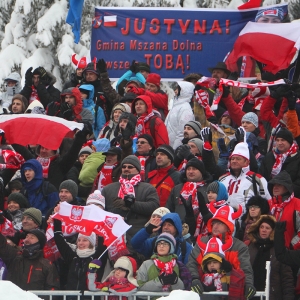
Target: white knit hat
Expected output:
[91,238]
[161,211]
[241,149]
[96,198]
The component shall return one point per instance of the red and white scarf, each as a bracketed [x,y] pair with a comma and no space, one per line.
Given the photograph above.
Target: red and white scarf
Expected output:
[143,160]
[166,268]
[281,157]
[277,208]
[213,278]
[105,176]
[34,95]
[127,186]
[45,162]
[140,124]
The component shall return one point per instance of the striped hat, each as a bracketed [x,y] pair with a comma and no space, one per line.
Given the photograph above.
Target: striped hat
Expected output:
[168,150]
[167,237]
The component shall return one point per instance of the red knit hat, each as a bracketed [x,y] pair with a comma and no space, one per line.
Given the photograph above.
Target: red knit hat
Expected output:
[154,79]
[225,214]
[81,64]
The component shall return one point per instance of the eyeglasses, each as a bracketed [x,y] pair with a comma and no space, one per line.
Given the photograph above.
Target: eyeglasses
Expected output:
[163,244]
[25,218]
[127,167]
[253,207]
[141,142]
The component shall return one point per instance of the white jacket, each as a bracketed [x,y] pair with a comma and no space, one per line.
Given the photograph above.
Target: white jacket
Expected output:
[180,114]
[7,96]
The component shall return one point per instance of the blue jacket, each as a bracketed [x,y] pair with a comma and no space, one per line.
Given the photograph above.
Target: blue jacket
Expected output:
[129,75]
[142,243]
[90,105]
[41,194]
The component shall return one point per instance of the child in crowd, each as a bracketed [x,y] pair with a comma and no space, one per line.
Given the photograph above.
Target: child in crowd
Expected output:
[121,280]
[161,272]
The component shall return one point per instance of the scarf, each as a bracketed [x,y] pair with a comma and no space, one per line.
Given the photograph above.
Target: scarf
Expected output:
[34,95]
[166,268]
[281,157]
[140,125]
[143,160]
[215,278]
[105,176]
[277,208]
[85,252]
[120,281]
[45,162]
[190,189]
[127,186]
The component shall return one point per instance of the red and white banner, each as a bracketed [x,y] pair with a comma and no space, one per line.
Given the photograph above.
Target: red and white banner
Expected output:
[67,230]
[274,45]
[7,228]
[88,219]
[38,129]
[110,21]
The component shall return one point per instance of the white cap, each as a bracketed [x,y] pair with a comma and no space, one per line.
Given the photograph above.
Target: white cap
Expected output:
[241,149]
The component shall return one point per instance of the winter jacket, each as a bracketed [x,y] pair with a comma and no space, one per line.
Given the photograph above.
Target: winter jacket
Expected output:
[146,201]
[159,131]
[291,165]
[59,166]
[6,97]
[88,103]
[28,273]
[129,75]
[180,114]
[40,194]
[237,255]
[73,82]
[170,177]
[293,124]
[147,275]
[144,244]
[73,173]
[47,93]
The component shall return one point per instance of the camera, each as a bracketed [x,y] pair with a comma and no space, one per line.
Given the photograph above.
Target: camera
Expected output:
[129,200]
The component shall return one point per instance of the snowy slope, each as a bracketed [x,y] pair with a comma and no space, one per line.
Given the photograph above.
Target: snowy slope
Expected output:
[10,291]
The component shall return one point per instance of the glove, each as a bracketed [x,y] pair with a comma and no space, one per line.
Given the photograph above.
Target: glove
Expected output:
[226,91]
[184,151]
[197,286]
[94,265]
[149,228]
[28,77]
[128,131]
[66,111]
[222,148]
[129,200]
[43,76]
[187,205]
[292,98]
[280,226]
[101,65]
[240,134]
[279,91]
[134,67]
[137,91]
[2,219]
[206,135]
[250,291]
[168,279]
[203,209]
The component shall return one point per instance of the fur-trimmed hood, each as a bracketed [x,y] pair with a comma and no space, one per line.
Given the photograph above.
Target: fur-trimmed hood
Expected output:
[254,228]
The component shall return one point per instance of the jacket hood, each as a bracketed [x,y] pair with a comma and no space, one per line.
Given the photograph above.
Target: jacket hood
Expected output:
[91,89]
[35,166]
[186,92]
[14,76]
[146,99]
[121,106]
[253,230]
[77,108]
[222,192]
[282,178]
[52,78]
[174,217]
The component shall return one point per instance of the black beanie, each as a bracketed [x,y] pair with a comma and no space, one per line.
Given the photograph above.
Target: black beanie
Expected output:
[147,137]
[285,134]
[18,198]
[144,67]
[128,97]
[198,164]
[40,236]
[168,150]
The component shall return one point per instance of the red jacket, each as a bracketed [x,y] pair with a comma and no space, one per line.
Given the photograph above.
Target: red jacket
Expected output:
[159,100]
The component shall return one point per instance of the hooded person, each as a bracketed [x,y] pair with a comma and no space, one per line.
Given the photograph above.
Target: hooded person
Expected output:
[143,243]
[180,113]
[28,269]
[161,272]
[18,104]
[40,194]
[87,96]
[13,87]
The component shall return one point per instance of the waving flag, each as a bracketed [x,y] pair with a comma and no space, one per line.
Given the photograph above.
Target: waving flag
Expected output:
[275,45]
[250,4]
[7,228]
[44,130]
[88,219]
[74,17]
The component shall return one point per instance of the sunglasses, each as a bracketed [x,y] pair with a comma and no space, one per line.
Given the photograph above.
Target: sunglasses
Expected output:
[141,142]
[127,167]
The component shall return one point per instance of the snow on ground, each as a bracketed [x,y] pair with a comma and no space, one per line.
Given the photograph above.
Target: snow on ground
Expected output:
[182,295]
[10,291]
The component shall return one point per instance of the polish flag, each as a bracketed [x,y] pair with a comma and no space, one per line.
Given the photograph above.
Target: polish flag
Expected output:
[47,131]
[7,228]
[110,21]
[250,4]
[275,45]
[91,218]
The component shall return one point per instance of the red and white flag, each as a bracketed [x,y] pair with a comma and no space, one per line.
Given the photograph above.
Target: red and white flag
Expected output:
[110,21]
[275,45]
[7,228]
[250,4]
[88,219]
[38,129]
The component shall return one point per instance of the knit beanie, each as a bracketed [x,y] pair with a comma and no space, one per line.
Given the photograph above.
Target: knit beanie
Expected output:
[40,236]
[35,214]
[147,137]
[85,150]
[154,79]
[119,106]
[198,143]
[195,125]
[219,188]
[18,198]
[198,164]
[101,145]
[71,186]
[241,149]
[161,211]
[96,198]
[15,184]
[273,11]
[91,67]
[285,134]
[144,67]
[250,117]
[91,238]
[168,150]
[132,160]
[167,237]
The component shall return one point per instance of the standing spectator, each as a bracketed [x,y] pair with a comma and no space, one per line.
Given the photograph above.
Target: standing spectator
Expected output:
[39,85]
